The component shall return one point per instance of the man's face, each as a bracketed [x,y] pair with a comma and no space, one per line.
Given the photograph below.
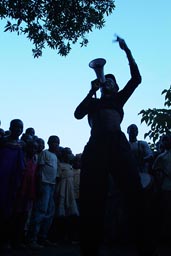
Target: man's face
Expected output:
[132,132]
[16,128]
[109,86]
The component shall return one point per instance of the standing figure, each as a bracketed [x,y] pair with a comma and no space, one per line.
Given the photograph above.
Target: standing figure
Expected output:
[66,206]
[108,151]
[26,194]
[44,206]
[162,169]
[144,159]
[11,172]
[141,149]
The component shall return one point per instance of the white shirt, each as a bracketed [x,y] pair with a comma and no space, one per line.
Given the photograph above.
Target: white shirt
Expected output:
[141,151]
[48,166]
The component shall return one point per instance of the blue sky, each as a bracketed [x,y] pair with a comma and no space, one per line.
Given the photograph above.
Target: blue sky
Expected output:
[44,92]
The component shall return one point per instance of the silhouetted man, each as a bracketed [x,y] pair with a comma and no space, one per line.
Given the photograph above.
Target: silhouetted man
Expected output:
[107,151]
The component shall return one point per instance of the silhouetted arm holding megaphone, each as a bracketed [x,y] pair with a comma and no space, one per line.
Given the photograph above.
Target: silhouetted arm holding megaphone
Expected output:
[86,105]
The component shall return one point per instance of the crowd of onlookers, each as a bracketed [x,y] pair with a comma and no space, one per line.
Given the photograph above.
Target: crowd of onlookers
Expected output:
[39,189]
[155,173]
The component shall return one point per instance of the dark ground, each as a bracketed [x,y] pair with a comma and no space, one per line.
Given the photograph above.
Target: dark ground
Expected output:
[73,250]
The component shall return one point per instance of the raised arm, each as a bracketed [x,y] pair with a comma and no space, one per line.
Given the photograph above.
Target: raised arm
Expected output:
[135,74]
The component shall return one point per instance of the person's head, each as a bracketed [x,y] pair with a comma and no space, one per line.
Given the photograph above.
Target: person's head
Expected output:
[53,143]
[41,144]
[67,155]
[26,137]
[30,131]
[110,86]
[132,131]
[16,128]
[31,148]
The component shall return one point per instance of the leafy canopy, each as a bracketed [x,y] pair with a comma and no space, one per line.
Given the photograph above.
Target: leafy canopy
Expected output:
[159,120]
[55,23]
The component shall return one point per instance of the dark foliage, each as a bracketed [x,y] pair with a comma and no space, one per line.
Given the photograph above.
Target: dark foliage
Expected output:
[54,23]
[159,120]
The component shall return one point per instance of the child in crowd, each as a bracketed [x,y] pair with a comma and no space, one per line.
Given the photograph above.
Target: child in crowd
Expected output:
[44,207]
[27,193]
[66,206]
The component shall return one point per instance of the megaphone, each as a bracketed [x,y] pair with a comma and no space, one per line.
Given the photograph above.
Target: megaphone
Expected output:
[97,65]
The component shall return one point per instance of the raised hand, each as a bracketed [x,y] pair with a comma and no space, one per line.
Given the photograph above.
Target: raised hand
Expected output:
[121,42]
[95,85]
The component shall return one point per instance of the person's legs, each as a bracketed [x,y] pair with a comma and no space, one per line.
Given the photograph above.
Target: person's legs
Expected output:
[18,225]
[93,181]
[39,211]
[49,214]
[129,183]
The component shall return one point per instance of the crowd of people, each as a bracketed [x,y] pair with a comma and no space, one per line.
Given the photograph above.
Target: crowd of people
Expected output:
[116,191]
[39,189]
